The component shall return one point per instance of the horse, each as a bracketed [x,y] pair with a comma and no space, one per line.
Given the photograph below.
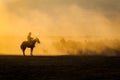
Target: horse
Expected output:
[29,44]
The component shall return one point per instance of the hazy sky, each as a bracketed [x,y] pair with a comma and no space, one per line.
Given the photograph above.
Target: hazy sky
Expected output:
[55,18]
[60,17]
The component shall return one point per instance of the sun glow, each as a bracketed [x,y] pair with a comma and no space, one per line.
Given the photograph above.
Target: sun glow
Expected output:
[73,23]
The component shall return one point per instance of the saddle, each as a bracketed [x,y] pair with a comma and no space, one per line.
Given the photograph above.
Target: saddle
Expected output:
[30,43]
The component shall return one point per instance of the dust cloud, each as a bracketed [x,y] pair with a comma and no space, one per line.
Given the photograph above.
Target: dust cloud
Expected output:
[51,21]
[89,46]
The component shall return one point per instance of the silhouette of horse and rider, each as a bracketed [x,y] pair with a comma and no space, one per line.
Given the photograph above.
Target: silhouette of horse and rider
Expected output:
[30,43]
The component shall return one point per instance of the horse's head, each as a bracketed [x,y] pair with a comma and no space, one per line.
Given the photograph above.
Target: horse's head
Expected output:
[37,40]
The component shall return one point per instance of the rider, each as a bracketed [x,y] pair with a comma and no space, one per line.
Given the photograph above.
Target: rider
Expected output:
[29,38]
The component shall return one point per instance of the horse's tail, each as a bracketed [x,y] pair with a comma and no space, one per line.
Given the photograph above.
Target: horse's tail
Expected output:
[22,45]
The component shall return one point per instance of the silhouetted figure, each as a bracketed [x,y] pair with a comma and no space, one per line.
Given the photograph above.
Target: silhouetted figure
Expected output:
[30,43]
[29,38]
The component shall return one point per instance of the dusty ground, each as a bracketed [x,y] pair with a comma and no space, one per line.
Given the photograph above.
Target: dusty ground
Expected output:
[59,68]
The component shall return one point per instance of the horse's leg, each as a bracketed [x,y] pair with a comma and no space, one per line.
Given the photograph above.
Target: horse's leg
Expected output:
[24,51]
[31,51]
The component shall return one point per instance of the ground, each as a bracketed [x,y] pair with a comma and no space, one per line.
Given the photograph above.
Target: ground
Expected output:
[59,68]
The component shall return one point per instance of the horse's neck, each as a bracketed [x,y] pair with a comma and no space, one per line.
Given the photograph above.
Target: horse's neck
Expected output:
[34,41]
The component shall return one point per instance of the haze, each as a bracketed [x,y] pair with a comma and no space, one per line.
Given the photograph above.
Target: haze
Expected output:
[53,19]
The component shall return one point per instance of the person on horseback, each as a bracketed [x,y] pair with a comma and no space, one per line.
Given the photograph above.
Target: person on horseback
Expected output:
[29,38]
[29,43]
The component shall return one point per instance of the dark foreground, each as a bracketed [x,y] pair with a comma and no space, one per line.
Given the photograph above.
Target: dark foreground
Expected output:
[59,68]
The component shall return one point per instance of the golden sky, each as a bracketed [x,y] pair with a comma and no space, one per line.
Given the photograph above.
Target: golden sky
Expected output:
[60,17]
